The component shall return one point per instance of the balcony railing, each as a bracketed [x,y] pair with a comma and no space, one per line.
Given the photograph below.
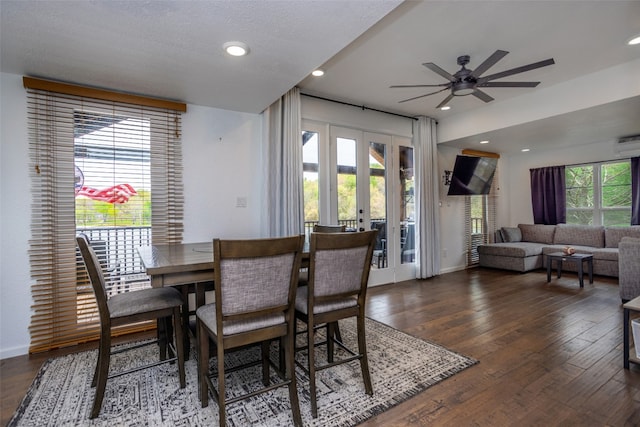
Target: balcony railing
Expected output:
[116,248]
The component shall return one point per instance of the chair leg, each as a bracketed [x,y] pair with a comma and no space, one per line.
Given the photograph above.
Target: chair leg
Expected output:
[290,374]
[203,362]
[221,386]
[312,370]
[331,330]
[364,362]
[177,325]
[102,371]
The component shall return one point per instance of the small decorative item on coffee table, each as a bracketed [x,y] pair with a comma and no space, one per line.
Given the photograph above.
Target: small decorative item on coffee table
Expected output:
[568,254]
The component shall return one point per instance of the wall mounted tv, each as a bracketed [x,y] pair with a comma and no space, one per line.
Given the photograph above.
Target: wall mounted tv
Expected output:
[472,175]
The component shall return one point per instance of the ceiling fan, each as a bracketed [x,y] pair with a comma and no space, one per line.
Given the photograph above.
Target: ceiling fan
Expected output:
[467,82]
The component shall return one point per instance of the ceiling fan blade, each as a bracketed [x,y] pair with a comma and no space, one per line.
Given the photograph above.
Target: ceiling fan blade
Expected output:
[433,67]
[482,95]
[446,101]
[509,84]
[517,70]
[488,63]
[440,85]
[422,96]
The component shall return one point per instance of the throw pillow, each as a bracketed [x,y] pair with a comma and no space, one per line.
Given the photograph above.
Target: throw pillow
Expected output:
[511,234]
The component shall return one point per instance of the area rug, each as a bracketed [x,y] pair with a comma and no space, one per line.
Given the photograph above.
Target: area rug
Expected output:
[401,367]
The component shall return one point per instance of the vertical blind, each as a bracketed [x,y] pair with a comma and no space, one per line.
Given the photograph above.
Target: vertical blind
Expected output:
[94,156]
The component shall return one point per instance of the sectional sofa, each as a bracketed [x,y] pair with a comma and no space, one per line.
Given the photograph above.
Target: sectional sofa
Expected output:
[522,248]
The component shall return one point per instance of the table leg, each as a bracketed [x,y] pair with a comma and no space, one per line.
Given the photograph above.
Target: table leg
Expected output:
[559,266]
[626,339]
[580,273]
[590,267]
[548,269]
[186,344]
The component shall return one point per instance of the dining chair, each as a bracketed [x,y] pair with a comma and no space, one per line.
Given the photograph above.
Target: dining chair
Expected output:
[338,275]
[255,286]
[317,228]
[127,308]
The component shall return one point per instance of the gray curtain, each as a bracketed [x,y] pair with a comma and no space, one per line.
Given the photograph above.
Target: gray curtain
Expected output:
[283,161]
[635,191]
[548,196]
[427,209]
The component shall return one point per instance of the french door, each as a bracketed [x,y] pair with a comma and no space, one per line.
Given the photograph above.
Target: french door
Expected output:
[363,180]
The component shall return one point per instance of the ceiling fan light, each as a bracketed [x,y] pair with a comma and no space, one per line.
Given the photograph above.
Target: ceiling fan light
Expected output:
[463,88]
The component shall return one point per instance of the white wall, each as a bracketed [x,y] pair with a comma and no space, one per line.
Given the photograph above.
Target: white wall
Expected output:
[222,161]
[15,198]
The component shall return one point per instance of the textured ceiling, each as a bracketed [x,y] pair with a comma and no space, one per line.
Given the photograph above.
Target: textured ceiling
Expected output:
[173,49]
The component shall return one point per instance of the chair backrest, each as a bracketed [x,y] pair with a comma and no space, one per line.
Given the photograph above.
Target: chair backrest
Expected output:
[255,277]
[317,228]
[381,226]
[340,264]
[96,277]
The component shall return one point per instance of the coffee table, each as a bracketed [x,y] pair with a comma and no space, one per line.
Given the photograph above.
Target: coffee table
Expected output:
[580,259]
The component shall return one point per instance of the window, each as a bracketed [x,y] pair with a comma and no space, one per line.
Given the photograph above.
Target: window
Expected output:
[599,194]
[480,221]
[108,168]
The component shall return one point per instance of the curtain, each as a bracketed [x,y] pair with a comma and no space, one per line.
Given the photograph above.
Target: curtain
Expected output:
[635,191]
[548,195]
[283,161]
[79,137]
[427,209]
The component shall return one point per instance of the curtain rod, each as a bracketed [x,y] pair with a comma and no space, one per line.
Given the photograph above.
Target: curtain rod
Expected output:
[600,161]
[358,106]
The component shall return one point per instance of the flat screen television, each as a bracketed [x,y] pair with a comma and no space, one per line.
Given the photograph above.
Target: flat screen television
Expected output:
[472,175]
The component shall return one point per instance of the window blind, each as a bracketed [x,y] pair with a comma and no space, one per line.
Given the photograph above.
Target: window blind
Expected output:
[480,221]
[92,152]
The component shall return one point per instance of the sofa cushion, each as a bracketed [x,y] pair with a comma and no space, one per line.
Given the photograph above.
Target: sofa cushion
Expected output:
[511,234]
[539,233]
[579,235]
[512,249]
[609,254]
[612,235]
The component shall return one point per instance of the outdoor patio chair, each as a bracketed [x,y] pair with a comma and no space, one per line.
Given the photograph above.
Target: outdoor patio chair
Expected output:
[157,304]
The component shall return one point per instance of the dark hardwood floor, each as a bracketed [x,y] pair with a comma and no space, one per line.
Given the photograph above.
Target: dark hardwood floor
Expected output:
[550,354]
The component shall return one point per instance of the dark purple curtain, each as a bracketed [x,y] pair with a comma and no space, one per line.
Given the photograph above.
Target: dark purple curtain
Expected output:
[548,195]
[635,191]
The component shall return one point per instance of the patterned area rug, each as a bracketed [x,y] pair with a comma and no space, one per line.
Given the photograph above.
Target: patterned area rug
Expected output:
[401,367]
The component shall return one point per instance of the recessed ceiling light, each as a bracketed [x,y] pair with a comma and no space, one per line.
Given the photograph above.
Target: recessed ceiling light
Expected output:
[524,150]
[317,73]
[445,108]
[634,40]
[236,48]
[484,142]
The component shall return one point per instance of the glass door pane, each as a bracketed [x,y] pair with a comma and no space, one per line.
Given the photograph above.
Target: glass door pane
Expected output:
[378,201]
[407,205]
[310,184]
[347,182]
